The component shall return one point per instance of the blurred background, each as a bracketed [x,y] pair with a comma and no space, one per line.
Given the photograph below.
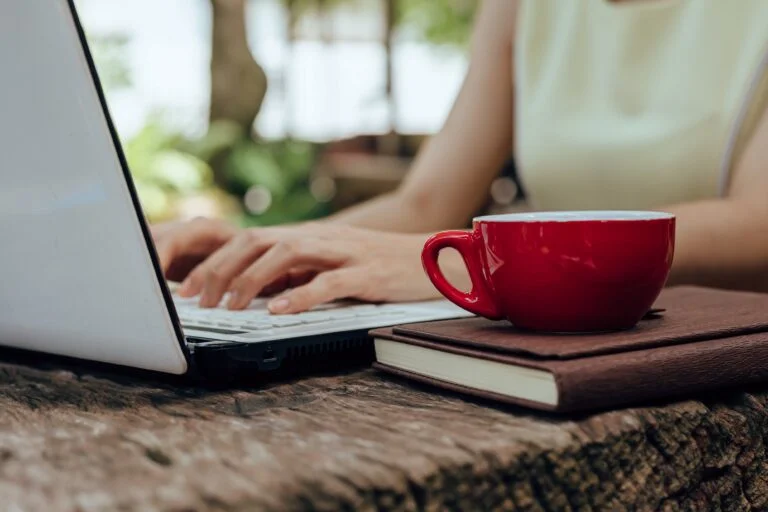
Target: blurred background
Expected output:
[275,111]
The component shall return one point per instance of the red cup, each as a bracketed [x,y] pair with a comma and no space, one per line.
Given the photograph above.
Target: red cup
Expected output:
[560,271]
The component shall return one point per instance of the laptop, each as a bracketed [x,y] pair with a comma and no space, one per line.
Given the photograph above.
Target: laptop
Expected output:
[80,276]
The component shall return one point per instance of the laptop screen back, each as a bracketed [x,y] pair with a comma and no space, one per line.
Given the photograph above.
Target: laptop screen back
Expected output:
[76,274]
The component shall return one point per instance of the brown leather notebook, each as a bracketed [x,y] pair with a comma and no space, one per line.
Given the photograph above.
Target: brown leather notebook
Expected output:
[704,339]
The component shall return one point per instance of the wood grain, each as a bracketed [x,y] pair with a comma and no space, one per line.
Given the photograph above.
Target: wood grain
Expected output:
[77,439]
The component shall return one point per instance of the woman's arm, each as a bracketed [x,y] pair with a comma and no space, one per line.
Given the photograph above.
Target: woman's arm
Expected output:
[724,243]
[450,178]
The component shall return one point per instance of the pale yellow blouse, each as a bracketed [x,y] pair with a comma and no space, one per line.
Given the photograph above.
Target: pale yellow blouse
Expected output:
[636,104]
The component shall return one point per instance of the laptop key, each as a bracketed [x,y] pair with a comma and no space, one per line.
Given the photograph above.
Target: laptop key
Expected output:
[367,312]
[285,321]
[314,318]
[256,326]
[257,335]
[344,315]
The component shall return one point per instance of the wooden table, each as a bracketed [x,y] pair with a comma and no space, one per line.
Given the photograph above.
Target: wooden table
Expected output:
[81,439]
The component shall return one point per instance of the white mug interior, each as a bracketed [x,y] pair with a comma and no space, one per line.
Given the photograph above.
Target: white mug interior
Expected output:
[576,216]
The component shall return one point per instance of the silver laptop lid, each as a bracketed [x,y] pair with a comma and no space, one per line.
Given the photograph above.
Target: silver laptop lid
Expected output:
[77,277]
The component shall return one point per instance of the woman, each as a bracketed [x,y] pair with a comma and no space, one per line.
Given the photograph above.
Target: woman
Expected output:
[632,104]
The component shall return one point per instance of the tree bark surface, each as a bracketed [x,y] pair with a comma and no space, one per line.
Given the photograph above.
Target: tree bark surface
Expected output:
[238,82]
[76,438]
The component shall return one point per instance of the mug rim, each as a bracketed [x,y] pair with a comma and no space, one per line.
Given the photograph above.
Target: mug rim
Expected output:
[578,216]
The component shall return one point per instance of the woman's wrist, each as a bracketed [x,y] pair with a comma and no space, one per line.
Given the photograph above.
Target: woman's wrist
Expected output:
[454,270]
[451,264]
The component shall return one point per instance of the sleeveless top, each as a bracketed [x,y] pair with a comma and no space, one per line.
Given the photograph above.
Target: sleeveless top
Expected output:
[636,104]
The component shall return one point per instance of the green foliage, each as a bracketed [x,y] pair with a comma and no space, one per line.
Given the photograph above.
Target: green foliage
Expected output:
[108,50]
[162,172]
[446,22]
[167,168]
[443,22]
[301,7]
[280,169]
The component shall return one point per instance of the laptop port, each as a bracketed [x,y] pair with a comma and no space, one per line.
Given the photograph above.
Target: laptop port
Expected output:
[269,355]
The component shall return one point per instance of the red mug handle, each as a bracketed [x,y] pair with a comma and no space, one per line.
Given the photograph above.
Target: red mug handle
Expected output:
[479,300]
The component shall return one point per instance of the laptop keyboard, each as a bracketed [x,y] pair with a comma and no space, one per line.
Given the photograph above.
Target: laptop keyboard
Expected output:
[257,322]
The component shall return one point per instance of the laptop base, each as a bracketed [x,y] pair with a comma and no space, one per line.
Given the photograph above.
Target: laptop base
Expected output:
[248,362]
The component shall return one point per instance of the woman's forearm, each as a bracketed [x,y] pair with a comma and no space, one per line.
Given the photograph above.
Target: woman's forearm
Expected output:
[450,178]
[389,212]
[721,243]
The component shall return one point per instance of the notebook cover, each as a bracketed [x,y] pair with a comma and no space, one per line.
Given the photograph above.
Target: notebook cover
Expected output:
[691,314]
[617,380]
[705,339]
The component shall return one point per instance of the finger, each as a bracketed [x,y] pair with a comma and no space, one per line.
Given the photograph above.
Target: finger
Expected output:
[225,265]
[326,287]
[295,277]
[195,281]
[175,262]
[160,229]
[278,285]
[165,253]
[182,266]
[301,277]
[212,278]
[257,240]
[189,240]
[165,245]
[278,261]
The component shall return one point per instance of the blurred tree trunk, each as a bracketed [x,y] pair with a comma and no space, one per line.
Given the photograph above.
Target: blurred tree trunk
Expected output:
[293,22]
[389,144]
[238,82]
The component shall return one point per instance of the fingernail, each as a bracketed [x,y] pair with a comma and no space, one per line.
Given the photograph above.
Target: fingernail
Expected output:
[234,299]
[185,288]
[279,305]
[207,301]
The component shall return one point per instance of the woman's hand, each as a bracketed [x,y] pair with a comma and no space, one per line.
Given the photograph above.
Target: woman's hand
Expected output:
[183,245]
[311,263]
